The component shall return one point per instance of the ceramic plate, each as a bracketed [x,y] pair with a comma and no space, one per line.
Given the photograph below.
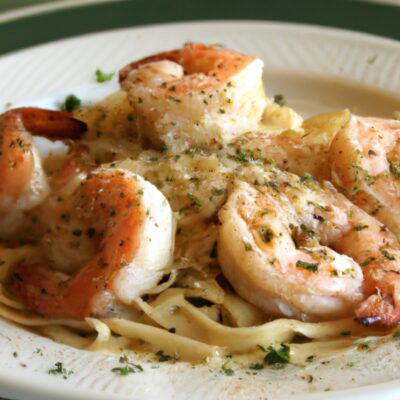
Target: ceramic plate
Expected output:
[316,69]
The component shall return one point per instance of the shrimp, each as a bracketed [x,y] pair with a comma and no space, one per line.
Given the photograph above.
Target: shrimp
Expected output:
[300,150]
[365,163]
[195,96]
[115,229]
[297,248]
[23,184]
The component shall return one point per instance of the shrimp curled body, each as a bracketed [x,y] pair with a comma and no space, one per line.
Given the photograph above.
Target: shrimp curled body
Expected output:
[195,96]
[116,230]
[23,184]
[299,249]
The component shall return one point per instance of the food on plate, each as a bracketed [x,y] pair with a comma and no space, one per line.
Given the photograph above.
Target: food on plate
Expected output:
[195,96]
[365,161]
[123,228]
[23,181]
[191,217]
[299,249]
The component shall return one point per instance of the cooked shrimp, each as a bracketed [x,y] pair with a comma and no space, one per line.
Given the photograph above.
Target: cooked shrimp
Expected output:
[195,96]
[23,183]
[301,150]
[296,248]
[365,162]
[112,231]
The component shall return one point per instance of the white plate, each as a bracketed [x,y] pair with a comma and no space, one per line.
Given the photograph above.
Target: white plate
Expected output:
[317,69]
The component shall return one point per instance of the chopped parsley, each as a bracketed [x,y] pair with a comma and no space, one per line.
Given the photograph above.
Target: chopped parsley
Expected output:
[367,261]
[345,333]
[123,359]
[194,201]
[387,255]
[280,99]
[369,179]
[39,351]
[227,371]
[306,177]
[359,228]
[218,192]
[59,369]
[247,246]
[71,103]
[278,356]
[362,345]
[245,156]
[307,230]
[162,357]
[127,369]
[103,76]
[308,266]
[256,366]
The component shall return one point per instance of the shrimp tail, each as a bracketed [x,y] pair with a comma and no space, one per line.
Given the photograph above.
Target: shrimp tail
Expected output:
[47,292]
[378,309]
[51,124]
[37,286]
[172,55]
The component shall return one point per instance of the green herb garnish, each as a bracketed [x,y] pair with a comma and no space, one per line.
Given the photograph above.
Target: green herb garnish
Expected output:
[278,356]
[256,366]
[71,103]
[359,228]
[103,76]
[308,266]
[367,261]
[194,201]
[387,255]
[280,99]
[227,371]
[128,369]
[162,357]
[59,369]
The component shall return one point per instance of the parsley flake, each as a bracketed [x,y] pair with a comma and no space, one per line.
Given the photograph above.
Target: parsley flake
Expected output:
[194,201]
[280,99]
[308,266]
[103,76]
[71,103]
[59,369]
[162,357]
[128,369]
[359,228]
[387,255]
[227,371]
[278,356]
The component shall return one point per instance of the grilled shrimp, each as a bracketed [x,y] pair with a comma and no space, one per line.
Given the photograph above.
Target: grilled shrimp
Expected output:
[297,248]
[365,163]
[109,239]
[23,183]
[195,96]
